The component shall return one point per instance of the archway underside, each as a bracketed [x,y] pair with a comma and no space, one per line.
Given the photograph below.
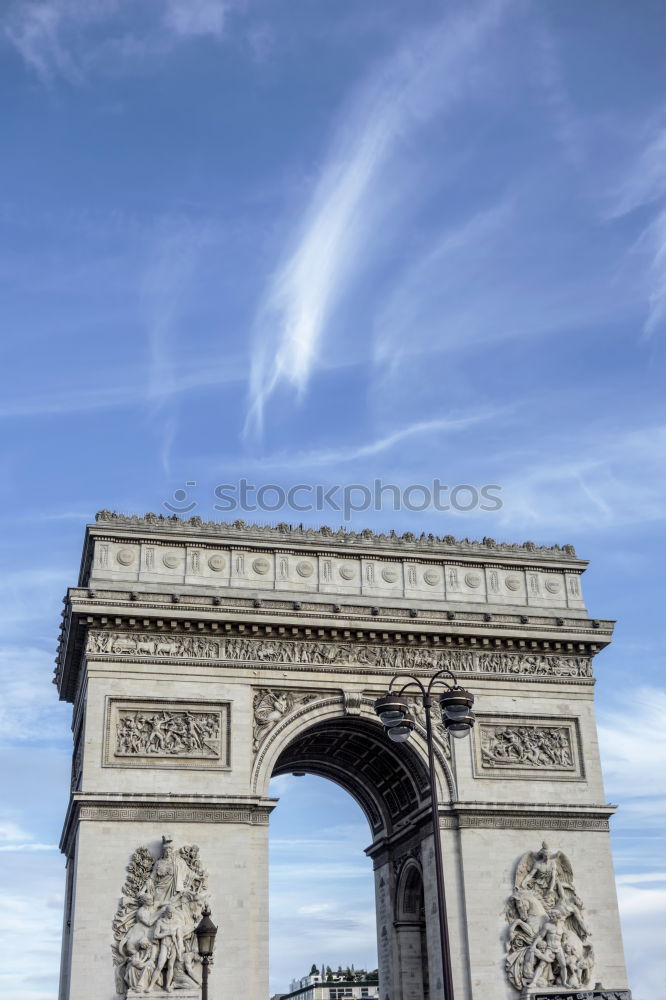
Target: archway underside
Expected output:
[388,781]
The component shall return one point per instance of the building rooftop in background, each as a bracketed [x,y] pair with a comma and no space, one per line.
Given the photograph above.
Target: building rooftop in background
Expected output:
[335,990]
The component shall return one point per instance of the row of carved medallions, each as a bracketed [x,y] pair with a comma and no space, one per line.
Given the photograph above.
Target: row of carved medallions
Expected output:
[305,571]
[331,653]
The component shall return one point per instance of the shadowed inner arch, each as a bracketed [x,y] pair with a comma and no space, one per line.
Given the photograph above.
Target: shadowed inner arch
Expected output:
[389,781]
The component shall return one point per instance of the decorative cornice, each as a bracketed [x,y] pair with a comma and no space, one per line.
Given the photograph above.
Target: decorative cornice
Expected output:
[162,808]
[309,645]
[557,622]
[492,816]
[519,816]
[284,533]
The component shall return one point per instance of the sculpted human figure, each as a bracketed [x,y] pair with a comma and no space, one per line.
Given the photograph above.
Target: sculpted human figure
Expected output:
[169,935]
[572,960]
[154,927]
[141,966]
[551,948]
[145,917]
[186,973]
[538,957]
[170,875]
[544,871]
[548,939]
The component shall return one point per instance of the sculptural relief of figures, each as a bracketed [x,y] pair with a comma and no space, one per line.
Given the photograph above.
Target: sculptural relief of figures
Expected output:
[272,706]
[546,747]
[392,657]
[548,941]
[155,947]
[168,733]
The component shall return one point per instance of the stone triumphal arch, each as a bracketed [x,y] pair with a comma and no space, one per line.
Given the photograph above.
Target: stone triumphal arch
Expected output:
[201,659]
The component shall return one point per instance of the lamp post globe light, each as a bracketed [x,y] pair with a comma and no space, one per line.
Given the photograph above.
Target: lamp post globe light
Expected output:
[205,932]
[458,718]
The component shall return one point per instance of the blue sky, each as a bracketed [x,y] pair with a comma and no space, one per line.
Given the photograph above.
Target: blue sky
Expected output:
[328,242]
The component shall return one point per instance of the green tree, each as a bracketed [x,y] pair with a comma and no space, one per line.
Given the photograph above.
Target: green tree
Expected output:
[314,971]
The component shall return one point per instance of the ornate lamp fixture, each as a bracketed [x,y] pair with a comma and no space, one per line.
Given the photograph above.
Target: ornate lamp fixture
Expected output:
[205,932]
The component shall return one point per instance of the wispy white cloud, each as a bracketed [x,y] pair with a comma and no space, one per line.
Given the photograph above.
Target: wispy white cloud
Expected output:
[422,310]
[55,39]
[644,184]
[167,284]
[634,757]
[332,457]
[14,839]
[27,847]
[655,239]
[29,709]
[165,379]
[645,180]
[560,108]
[196,18]
[643,914]
[641,878]
[32,896]
[599,480]
[37,30]
[426,77]
[386,443]
[175,252]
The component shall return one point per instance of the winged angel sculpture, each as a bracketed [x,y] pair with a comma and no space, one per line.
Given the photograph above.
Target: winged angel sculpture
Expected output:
[155,947]
[548,939]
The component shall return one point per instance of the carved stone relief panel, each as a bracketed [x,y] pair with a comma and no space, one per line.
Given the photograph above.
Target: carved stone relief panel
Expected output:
[514,746]
[164,733]
[271,706]
[548,939]
[334,653]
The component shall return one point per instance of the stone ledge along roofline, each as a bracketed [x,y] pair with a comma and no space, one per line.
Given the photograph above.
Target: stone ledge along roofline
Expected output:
[287,534]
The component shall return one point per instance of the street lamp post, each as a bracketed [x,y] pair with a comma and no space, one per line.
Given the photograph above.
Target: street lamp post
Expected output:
[205,932]
[458,718]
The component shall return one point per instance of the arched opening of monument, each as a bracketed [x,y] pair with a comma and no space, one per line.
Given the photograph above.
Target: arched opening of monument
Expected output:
[390,784]
[411,933]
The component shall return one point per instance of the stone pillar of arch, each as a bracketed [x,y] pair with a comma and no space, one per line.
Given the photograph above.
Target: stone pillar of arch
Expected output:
[203,659]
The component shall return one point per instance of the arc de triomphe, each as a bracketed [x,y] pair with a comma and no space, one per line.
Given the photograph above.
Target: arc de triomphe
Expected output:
[201,659]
